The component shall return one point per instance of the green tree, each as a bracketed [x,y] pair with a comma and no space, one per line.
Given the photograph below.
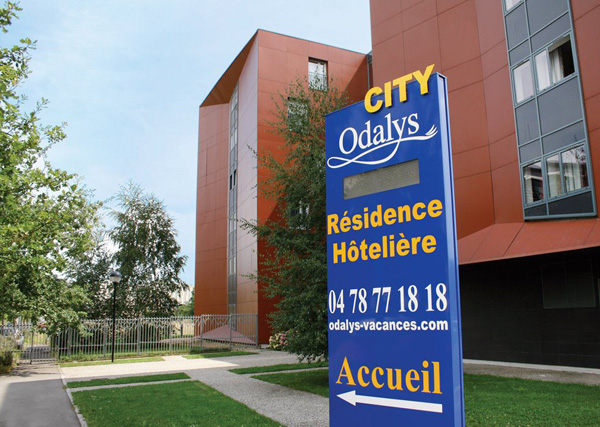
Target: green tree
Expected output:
[90,272]
[45,216]
[147,255]
[295,267]
[187,309]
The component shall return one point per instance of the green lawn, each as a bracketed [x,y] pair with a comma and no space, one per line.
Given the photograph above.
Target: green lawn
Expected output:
[312,381]
[189,403]
[128,380]
[90,357]
[494,400]
[277,368]
[108,362]
[512,401]
[211,355]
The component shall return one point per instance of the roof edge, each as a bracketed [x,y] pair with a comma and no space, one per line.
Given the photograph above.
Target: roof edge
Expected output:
[222,90]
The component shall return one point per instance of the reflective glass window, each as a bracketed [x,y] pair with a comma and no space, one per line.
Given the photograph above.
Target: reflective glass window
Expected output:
[317,74]
[575,168]
[554,180]
[523,82]
[509,4]
[533,183]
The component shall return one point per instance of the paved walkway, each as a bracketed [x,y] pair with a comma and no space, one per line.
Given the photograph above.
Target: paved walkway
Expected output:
[560,374]
[286,406]
[34,395]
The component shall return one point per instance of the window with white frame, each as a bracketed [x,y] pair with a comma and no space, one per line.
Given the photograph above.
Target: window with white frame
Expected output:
[551,132]
[554,63]
[566,172]
[317,74]
[523,82]
[509,4]
[574,168]
[533,182]
[555,187]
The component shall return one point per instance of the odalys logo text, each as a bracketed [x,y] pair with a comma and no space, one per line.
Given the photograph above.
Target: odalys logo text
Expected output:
[358,146]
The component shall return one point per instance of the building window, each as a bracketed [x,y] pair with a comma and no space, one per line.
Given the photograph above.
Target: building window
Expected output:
[509,4]
[533,182]
[566,172]
[232,227]
[554,63]
[555,187]
[551,135]
[317,74]
[523,82]
[575,168]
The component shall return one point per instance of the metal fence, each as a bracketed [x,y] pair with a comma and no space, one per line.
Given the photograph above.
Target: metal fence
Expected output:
[27,341]
[139,336]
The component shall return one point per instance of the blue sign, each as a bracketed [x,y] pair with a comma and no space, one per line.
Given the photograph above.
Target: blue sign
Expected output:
[395,354]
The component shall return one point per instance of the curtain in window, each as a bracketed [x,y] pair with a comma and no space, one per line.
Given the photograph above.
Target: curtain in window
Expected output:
[575,170]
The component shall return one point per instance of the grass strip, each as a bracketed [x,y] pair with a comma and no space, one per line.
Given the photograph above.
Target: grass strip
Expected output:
[316,382]
[513,401]
[224,354]
[91,357]
[278,368]
[128,380]
[108,362]
[189,403]
[493,400]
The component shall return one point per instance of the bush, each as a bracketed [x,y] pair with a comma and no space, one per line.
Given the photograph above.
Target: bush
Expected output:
[198,350]
[279,341]
[7,345]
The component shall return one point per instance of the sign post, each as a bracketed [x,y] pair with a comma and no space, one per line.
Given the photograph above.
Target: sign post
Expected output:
[395,355]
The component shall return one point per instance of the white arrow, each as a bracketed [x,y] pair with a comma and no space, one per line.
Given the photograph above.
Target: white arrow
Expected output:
[352,398]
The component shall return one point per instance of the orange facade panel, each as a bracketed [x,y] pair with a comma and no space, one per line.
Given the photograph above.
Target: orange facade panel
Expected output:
[516,240]
[263,70]
[466,42]
[211,219]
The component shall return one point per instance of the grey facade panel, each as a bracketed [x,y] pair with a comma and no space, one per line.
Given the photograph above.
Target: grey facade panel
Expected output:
[560,106]
[530,151]
[564,137]
[516,24]
[551,32]
[519,53]
[527,122]
[536,211]
[542,12]
[578,204]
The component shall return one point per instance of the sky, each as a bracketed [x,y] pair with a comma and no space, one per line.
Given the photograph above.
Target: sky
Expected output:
[128,76]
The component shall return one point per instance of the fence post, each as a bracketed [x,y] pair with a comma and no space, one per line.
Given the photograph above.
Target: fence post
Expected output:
[256,331]
[69,341]
[32,344]
[230,332]
[104,338]
[170,335]
[139,337]
[201,332]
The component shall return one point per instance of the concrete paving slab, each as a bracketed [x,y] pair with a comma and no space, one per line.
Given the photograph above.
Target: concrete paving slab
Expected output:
[561,374]
[169,364]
